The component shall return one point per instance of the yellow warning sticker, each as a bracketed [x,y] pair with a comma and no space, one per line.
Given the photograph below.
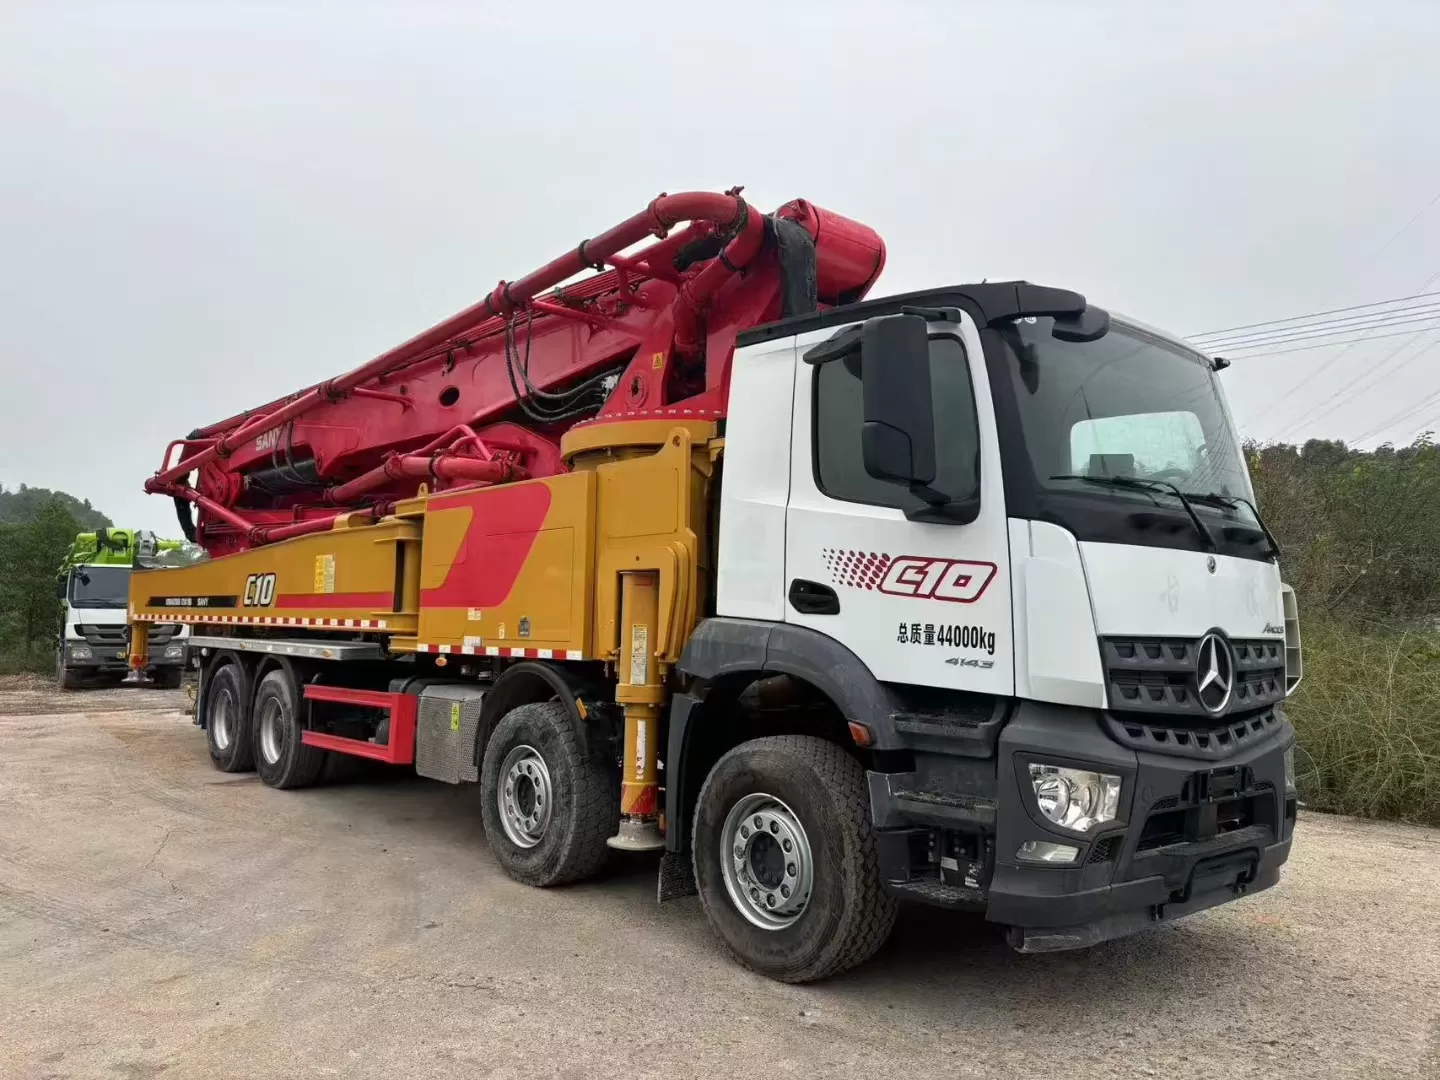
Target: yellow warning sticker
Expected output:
[324,573]
[657,361]
[455,716]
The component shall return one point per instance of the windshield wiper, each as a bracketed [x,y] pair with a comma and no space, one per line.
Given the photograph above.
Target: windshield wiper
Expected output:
[1230,501]
[1136,484]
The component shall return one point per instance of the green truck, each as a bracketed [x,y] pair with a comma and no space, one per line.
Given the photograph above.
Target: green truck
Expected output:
[94,588]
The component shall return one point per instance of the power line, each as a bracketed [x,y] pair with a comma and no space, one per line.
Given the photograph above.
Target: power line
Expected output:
[1323,331]
[1404,414]
[1398,233]
[1375,374]
[1355,322]
[1311,315]
[1328,344]
[1368,335]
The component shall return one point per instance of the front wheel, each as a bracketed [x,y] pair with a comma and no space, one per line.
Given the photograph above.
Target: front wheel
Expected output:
[67,677]
[785,859]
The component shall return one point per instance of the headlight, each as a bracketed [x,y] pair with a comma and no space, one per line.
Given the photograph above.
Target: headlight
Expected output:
[1075,798]
[1290,768]
[174,652]
[80,652]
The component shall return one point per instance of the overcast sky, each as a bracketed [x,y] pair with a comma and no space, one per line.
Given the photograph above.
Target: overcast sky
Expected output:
[205,205]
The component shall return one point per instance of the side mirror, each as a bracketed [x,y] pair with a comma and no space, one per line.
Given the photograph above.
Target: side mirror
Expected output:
[60,589]
[897,439]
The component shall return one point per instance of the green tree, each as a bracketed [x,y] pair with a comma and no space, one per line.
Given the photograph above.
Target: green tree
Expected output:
[30,554]
[23,503]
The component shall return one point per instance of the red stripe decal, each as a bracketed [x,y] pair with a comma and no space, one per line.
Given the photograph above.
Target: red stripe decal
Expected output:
[368,601]
[503,527]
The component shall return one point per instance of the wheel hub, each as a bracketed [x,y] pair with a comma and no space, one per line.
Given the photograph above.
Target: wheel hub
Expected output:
[220,720]
[525,796]
[766,861]
[272,735]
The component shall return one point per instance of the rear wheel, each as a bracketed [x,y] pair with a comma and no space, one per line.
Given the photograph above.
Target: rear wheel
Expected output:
[227,719]
[281,759]
[785,859]
[548,807]
[169,678]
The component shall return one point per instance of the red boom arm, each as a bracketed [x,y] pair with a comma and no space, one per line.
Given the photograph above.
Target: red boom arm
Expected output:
[484,396]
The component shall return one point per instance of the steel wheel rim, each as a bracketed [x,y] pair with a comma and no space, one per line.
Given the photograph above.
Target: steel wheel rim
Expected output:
[221,720]
[272,734]
[766,861]
[526,797]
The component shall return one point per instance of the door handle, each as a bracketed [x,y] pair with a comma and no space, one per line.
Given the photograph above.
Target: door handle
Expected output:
[812,598]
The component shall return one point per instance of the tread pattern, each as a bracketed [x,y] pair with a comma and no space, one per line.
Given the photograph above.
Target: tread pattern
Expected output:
[870,919]
[595,802]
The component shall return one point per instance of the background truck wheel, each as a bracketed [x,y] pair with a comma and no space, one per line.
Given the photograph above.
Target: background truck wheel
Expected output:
[281,759]
[548,807]
[227,719]
[68,678]
[785,861]
[169,678]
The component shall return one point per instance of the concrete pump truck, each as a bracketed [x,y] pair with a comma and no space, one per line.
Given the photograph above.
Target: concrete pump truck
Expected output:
[679,543]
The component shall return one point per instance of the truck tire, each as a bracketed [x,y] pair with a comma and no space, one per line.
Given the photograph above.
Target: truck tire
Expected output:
[169,678]
[227,719]
[785,860]
[281,759]
[548,807]
[67,677]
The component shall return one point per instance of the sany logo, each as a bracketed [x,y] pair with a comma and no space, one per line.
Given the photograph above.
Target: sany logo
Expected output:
[955,580]
[268,441]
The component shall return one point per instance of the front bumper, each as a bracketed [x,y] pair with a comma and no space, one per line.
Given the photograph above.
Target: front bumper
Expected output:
[82,656]
[1191,834]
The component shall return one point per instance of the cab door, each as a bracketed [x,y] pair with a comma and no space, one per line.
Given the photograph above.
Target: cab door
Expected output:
[920,602]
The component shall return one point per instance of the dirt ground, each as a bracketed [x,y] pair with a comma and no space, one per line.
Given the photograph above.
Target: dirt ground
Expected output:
[160,918]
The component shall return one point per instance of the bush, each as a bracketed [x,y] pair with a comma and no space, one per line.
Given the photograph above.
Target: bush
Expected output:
[1367,715]
[17,660]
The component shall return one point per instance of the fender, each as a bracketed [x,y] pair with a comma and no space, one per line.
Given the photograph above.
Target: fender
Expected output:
[588,700]
[725,646]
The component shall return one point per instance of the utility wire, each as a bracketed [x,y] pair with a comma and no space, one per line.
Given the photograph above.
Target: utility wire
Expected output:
[1328,344]
[1312,315]
[1353,322]
[1368,335]
[1396,236]
[1345,394]
[1323,332]
[1404,414]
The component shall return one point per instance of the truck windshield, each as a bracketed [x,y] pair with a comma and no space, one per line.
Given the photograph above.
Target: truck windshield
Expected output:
[1141,414]
[100,586]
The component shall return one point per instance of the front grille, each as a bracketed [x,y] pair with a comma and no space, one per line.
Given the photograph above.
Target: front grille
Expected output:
[1158,675]
[1215,741]
[113,637]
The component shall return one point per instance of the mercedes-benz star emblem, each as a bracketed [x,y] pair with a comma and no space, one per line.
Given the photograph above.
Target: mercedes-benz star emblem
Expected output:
[1214,674]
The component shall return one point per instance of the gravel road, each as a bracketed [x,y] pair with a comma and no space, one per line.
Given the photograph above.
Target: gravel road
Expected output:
[160,918]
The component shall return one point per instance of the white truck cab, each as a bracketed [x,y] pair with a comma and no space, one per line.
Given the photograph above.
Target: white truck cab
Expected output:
[94,591]
[1014,538]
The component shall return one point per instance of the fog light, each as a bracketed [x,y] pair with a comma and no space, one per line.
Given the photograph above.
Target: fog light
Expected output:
[1290,768]
[1042,851]
[80,652]
[174,652]
[1075,798]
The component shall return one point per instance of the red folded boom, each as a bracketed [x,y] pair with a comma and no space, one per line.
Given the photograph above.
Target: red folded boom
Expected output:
[485,396]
